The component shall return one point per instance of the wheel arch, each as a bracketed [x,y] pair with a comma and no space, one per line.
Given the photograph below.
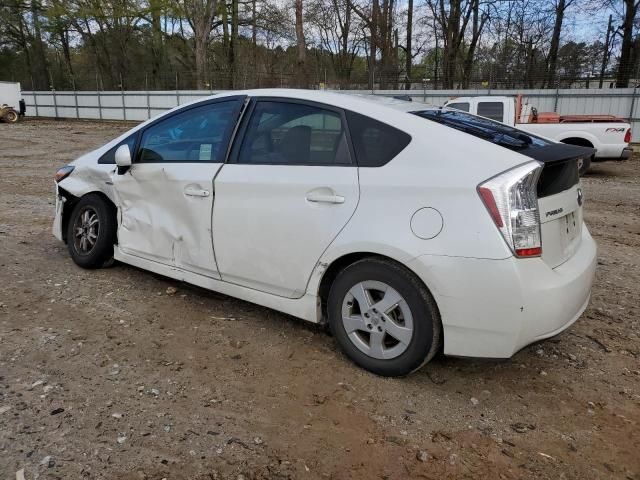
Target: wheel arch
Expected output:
[333,268]
[70,202]
[579,141]
[580,138]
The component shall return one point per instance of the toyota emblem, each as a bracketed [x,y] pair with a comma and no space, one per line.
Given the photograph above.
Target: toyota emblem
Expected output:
[580,197]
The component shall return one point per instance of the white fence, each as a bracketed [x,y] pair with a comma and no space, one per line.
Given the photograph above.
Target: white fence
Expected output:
[141,105]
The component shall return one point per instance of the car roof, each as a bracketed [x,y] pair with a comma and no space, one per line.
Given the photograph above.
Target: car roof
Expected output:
[348,100]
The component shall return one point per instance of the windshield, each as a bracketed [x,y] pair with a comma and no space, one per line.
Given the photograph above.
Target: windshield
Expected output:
[490,130]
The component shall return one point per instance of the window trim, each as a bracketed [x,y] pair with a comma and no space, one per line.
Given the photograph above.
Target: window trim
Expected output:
[240,136]
[102,160]
[239,99]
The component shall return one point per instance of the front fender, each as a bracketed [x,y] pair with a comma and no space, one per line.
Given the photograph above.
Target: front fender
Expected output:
[85,180]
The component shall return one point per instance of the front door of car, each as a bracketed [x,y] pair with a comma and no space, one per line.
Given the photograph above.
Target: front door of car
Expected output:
[289,188]
[165,199]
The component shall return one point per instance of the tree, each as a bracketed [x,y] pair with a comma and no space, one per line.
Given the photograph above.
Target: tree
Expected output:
[625,65]
[301,49]
[408,56]
[606,50]
[560,10]
[201,16]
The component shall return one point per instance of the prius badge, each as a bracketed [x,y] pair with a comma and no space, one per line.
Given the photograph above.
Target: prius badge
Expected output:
[580,197]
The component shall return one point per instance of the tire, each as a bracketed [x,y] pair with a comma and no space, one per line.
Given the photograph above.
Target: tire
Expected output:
[93,219]
[11,116]
[416,311]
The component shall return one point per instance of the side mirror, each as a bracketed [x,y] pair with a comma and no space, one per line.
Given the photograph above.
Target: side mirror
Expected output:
[123,156]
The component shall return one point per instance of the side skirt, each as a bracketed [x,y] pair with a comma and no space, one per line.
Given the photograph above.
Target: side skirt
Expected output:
[304,308]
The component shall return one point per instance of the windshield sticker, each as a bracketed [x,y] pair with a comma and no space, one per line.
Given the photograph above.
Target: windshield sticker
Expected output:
[205,152]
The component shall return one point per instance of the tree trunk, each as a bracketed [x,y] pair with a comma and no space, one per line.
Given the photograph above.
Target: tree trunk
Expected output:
[157,46]
[66,52]
[626,50]
[606,51]
[233,46]
[254,40]
[303,80]
[409,57]
[467,68]
[451,37]
[555,44]
[41,69]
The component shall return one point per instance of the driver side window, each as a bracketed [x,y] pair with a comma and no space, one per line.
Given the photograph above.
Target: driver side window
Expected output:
[199,134]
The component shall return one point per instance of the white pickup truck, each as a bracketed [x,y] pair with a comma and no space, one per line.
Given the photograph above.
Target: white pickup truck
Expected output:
[609,135]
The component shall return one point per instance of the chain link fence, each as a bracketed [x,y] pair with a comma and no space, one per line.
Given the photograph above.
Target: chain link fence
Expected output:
[142,105]
[245,76]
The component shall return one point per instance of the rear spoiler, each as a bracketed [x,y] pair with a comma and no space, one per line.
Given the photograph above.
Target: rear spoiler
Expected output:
[559,152]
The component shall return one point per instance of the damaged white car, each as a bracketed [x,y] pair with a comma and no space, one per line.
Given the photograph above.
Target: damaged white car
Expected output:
[408,229]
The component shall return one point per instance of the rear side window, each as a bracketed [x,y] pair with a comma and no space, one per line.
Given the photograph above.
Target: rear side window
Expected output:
[375,143]
[492,110]
[287,133]
[464,106]
[110,156]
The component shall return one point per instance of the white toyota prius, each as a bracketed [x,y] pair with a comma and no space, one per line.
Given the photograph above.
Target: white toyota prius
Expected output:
[409,229]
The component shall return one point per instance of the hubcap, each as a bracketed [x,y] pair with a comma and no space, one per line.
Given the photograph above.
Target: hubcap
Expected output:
[377,319]
[85,230]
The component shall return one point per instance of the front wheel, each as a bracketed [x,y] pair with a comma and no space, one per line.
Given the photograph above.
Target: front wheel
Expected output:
[383,317]
[91,231]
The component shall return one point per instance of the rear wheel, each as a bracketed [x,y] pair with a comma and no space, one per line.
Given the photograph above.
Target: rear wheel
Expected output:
[91,232]
[383,317]
[11,116]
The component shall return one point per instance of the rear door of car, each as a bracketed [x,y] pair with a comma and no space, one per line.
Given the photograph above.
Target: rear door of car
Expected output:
[290,186]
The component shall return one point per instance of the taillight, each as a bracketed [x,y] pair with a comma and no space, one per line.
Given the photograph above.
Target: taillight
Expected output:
[63,173]
[512,201]
[627,136]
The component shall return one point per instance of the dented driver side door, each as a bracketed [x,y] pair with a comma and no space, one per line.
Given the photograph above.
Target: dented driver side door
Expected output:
[165,199]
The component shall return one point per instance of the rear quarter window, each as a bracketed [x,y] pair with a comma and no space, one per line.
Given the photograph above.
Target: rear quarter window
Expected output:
[375,143]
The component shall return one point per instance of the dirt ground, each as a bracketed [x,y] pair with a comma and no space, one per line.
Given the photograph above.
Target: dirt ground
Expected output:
[107,374]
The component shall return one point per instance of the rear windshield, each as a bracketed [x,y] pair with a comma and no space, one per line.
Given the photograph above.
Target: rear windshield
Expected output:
[492,131]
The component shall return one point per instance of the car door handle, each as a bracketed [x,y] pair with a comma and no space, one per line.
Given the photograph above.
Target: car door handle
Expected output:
[317,197]
[196,192]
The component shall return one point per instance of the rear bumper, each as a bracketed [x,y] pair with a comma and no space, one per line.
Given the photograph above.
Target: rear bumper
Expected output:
[626,153]
[493,308]
[613,152]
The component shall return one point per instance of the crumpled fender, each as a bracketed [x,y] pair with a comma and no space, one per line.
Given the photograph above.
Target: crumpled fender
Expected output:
[84,179]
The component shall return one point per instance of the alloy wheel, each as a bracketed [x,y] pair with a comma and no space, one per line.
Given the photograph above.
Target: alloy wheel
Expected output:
[377,319]
[86,229]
